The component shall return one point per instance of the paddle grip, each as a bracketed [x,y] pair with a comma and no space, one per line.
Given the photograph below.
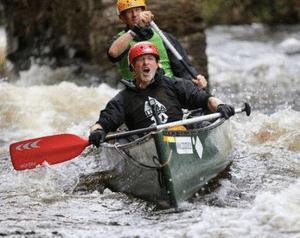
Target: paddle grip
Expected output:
[247,109]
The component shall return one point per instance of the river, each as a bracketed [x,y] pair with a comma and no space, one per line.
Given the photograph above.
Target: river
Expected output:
[260,198]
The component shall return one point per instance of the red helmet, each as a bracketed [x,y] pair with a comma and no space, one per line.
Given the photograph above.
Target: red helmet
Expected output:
[142,48]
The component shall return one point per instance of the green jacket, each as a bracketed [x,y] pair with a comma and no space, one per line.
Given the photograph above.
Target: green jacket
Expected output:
[164,59]
[175,66]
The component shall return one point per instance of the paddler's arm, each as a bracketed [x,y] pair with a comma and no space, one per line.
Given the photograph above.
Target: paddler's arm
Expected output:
[110,118]
[191,98]
[95,127]
[213,103]
[216,105]
[121,44]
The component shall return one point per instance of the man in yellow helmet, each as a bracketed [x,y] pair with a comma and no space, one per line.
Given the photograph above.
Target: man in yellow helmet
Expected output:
[137,18]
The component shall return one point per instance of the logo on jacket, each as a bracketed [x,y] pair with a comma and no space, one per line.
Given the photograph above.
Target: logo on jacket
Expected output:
[153,106]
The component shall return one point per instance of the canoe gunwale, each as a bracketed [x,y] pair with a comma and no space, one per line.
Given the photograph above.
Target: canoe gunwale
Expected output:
[209,127]
[148,136]
[122,148]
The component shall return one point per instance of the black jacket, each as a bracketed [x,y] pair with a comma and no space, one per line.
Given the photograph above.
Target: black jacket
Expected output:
[177,68]
[131,105]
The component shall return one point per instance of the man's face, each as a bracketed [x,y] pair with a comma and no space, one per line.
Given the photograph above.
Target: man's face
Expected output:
[131,16]
[144,68]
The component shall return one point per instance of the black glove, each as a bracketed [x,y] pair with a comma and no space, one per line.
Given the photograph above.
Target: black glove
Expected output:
[142,34]
[97,137]
[226,110]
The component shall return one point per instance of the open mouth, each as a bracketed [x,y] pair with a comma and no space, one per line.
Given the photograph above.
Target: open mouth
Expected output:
[146,70]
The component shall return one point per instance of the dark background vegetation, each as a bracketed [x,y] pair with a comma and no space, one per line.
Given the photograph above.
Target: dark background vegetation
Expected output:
[216,12]
[249,11]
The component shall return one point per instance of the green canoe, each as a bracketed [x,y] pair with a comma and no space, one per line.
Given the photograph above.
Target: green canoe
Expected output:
[168,167]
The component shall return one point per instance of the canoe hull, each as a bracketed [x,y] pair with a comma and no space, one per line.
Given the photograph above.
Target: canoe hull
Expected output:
[168,167]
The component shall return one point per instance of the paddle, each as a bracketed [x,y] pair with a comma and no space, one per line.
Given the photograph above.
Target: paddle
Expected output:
[53,149]
[59,148]
[172,49]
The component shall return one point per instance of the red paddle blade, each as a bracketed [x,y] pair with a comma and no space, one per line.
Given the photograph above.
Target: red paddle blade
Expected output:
[53,149]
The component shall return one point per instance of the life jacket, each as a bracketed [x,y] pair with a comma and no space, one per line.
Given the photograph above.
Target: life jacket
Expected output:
[164,59]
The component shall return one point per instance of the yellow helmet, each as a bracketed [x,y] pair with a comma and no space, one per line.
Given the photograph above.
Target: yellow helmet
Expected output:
[123,5]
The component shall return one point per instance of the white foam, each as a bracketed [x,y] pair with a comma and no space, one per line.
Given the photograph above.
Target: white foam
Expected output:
[290,46]
[43,110]
[238,60]
[273,214]
[43,75]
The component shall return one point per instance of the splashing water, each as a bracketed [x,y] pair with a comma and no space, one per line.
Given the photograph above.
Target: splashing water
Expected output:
[259,197]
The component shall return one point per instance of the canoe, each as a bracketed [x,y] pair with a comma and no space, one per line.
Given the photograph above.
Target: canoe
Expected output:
[168,167]
[165,166]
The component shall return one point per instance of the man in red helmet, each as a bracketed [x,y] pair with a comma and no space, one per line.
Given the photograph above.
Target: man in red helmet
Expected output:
[154,97]
[136,17]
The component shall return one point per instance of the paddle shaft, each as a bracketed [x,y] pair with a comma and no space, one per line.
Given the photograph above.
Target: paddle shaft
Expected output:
[171,124]
[172,49]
